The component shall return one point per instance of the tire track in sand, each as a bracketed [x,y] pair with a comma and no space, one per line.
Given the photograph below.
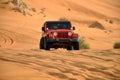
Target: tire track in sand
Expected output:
[66,66]
[6,38]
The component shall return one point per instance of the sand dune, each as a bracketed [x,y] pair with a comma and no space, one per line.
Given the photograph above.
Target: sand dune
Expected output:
[20,58]
[37,64]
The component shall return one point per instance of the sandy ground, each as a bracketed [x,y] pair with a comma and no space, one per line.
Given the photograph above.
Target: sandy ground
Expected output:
[34,64]
[20,58]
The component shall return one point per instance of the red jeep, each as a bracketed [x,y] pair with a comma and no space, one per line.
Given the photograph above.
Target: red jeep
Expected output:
[59,34]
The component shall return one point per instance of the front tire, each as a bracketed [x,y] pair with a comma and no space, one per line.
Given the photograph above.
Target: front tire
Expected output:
[47,46]
[41,46]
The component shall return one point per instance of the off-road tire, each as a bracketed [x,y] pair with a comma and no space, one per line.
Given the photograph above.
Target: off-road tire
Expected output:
[76,46]
[69,48]
[47,46]
[41,46]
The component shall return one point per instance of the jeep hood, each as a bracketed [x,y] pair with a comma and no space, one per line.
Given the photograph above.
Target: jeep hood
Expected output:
[60,30]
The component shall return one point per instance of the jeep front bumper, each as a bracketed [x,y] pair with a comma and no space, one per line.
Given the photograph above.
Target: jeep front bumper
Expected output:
[62,40]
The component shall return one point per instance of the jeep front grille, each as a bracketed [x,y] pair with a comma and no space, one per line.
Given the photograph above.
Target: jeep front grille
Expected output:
[62,34]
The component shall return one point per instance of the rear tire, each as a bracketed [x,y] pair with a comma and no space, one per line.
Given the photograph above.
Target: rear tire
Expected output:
[69,48]
[76,46]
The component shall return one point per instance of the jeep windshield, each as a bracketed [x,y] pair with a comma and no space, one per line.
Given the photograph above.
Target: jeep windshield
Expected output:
[58,25]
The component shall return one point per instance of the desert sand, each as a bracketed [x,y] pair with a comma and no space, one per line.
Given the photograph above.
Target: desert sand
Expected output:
[21,58]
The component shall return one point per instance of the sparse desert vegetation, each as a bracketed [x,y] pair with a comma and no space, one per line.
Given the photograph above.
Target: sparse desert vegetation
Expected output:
[63,19]
[83,44]
[109,21]
[117,45]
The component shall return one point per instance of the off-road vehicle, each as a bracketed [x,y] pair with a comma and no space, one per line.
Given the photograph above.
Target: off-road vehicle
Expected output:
[59,34]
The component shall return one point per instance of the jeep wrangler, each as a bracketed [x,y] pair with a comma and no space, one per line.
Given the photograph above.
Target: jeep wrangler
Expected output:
[59,34]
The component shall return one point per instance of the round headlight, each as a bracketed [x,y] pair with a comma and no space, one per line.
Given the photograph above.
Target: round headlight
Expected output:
[70,33]
[55,33]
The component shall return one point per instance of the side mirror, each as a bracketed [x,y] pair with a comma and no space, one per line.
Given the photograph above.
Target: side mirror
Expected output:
[43,28]
[73,28]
